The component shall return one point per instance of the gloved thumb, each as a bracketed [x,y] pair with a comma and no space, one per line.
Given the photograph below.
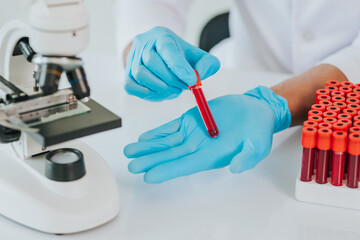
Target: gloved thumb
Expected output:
[207,65]
[246,159]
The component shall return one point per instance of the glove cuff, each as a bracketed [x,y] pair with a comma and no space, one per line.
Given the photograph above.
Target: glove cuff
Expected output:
[278,105]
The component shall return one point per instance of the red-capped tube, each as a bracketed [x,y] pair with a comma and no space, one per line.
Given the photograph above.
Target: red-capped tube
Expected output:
[338,146]
[309,123]
[322,98]
[356,124]
[322,92]
[325,125]
[351,112]
[333,83]
[357,85]
[315,119]
[344,115]
[338,99]
[356,90]
[340,105]
[330,120]
[352,101]
[353,95]
[323,155]
[346,90]
[337,93]
[355,107]
[335,109]
[331,114]
[356,118]
[354,129]
[204,108]
[332,88]
[346,121]
[315,113]
[339,126]
[326,103]
[347,84]
[318,107]
[308,141]
[353,160]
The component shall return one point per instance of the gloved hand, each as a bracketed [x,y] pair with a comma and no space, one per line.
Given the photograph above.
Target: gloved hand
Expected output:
[160,65]
[181,147]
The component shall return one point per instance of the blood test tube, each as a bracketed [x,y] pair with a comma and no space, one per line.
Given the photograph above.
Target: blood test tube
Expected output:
[322,92]
[356,124]
[346,90]
[352,101]
[309,123]
[329,120]
[338,146]
[335,109]
[315,113]
[325,125]
[329,114]
[357,85]
[340,105]
[318,107]
[356,90]
[204,108]
[353,95]
[308,141]
[333,83]
[351,112]
[344,115]
[338,99]
[322,98]
[326,103]
[354,129]
[331,88]
[355,107]
[339,126]
[337,93]
[316,119]
[353,160]
[323,155]
[356,118]
[347,84]
[346,121]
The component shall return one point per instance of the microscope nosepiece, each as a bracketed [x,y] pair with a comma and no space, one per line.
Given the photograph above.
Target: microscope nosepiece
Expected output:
[79,84]
[49,77]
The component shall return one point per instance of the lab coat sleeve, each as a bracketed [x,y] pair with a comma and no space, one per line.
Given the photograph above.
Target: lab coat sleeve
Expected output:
[137,16]
[347,60]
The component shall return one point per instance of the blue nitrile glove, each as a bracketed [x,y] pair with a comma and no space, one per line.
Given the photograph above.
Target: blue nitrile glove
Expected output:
[160,65]
[182,147]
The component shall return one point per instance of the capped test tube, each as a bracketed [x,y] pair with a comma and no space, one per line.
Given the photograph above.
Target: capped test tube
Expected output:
[338,146]
[309,123]
[323,155]
[318,107]
[340,105]
[346,90]
[308,141]
[353,160]
[323,97]
[333,83]
[353,95]
[347,84]
[337,93]
[315,113]
[326,103]
[334,109]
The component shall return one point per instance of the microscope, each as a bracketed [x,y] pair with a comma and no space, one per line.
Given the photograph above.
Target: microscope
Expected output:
[49,181]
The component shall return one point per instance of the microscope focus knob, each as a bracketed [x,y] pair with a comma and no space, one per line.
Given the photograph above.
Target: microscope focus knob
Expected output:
[64,165]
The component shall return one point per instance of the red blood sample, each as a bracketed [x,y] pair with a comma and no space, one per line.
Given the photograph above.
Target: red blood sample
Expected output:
[338,99]
[347,84]
[353,160]
[337,93]
[338,146]
[331,114]
[322,98]
[353,95]
[352,101]
[340,105]
[333,83]
[326,103]
[204,108]
[323,155]
[308,141]
[318,107]
[309,123]
[334,109]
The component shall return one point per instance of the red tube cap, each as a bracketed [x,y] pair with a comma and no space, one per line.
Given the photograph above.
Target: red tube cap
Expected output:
[347,84]
[322,98]
[346,90]
[340,105]
[329,120]
[326,103]
[351,112]
[346,121]
[315,113]
[333,83]
[339,126]
[329,114]
[324,139]
[356,118]
[318,107]
[354,144]
[354,130]
[337,93]
[308,139]
[337,99]
[316,119]
[353,95]
[356,124]
[322,92]
[339,141]
[325,125]
[356,90]
[335,109]
[352,101]
[344,115]
[355,107]
[309,123]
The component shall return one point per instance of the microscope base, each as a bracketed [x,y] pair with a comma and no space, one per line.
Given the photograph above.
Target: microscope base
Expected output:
[31,199]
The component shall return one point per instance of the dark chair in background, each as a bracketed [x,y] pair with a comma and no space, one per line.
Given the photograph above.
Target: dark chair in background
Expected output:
[214,31]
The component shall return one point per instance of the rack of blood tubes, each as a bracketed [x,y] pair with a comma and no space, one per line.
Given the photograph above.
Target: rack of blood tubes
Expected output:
[330,167]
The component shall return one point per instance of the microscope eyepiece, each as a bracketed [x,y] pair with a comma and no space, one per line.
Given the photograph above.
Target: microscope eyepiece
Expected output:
[49,77]
[79,84]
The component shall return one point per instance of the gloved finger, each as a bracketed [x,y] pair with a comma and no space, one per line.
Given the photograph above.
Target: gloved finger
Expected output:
[183,166]
[207,66]
[142,148]
[246,159]
[161,131]
[145,78]
[133,88]
[144,163]
[156,65]
[175,60]
[156,97]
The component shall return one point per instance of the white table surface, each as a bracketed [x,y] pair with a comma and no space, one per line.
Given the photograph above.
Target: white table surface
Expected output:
[257,204]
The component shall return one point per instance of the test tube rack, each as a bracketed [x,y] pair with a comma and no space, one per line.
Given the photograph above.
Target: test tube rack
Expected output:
[330,170]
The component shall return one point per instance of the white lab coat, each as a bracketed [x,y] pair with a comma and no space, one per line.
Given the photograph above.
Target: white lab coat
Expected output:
[279,35]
